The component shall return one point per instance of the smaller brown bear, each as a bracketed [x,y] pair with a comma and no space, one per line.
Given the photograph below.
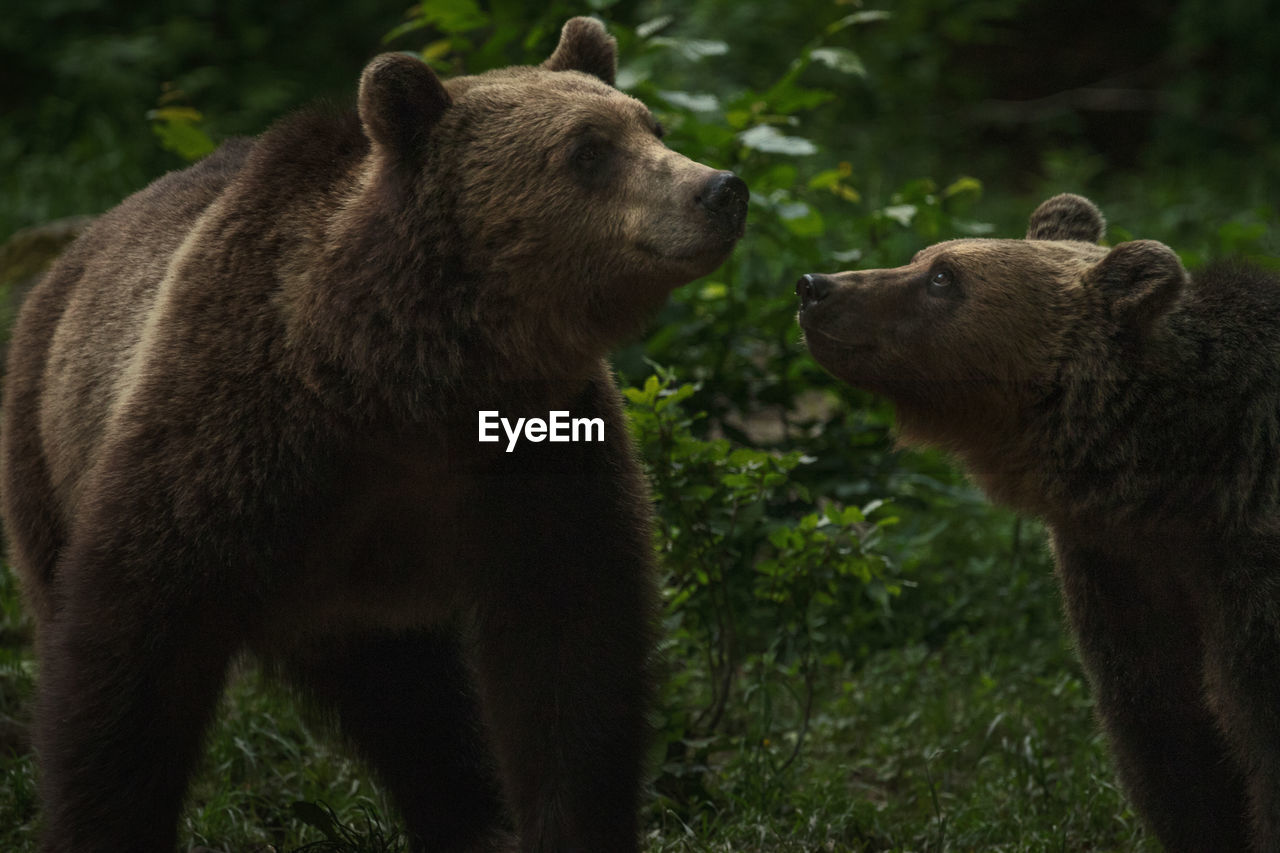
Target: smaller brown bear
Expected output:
[241,416]
[1137,411]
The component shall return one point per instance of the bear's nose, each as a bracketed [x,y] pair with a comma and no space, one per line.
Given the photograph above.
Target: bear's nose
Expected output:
[813,288]
[725,197]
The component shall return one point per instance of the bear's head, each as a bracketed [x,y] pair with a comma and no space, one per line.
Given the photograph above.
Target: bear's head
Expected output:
[971,332]
[553,205]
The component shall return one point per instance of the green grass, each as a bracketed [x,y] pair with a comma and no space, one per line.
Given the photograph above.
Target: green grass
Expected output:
[984,742]
[979,739]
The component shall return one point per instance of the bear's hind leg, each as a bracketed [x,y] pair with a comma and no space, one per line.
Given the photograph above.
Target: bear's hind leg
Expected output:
[406,703]
[124,695]
[1142,649]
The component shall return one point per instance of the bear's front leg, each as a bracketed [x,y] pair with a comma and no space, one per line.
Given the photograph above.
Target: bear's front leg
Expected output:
[563,677]
[562,640]
[405,700]
[1140,640]
[129,677]
[1242,656]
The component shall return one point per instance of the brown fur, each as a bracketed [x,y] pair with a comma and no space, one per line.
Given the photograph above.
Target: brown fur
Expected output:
[1138,412]
[242,415]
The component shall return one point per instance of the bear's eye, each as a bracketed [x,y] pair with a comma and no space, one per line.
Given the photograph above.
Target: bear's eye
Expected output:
[590,159]
[942,282]
[658,130]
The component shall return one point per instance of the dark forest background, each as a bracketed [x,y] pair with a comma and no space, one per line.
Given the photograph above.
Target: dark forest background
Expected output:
[862,654]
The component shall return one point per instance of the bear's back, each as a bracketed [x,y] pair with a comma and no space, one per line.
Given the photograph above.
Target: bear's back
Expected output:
[82,325]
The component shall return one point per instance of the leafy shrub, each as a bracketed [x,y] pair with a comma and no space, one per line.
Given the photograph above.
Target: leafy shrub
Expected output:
[762,594]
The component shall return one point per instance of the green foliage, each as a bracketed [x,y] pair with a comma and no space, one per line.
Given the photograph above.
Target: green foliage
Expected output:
[17,777]
[368,836]
[81,77]
[464,38]
[761,594]
[811,210]
[861,653]
[178,129]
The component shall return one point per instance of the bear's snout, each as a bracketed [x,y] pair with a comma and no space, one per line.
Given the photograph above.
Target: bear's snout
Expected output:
[813,288]
[724,196]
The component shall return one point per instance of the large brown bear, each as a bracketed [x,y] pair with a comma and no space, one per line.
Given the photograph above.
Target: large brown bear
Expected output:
[242,415]
[1136,410]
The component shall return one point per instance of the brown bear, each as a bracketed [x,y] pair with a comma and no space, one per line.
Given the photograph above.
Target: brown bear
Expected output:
[1136,410]
[241,415]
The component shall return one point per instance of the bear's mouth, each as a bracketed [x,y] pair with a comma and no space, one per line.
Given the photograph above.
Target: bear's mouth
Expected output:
[829,340]
[707,251]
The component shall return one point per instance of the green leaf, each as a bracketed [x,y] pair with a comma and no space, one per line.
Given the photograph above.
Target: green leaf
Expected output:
[856,18]
[317,817]
[802,220]
[851,515]
[654,25]
[436,51]
[692,49]
[902,214]
[825,180]
[781,176]
[713,290]
[767,138]
[454,16]
[698,102]
[183,114]
[963,186]
[405,28]
[450,17]
[1238,236]
[841,59]
[976,229]
[630,76]
[176,129]
[700,493]
[786,98]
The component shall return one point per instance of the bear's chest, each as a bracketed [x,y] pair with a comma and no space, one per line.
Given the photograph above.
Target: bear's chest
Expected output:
[404,540]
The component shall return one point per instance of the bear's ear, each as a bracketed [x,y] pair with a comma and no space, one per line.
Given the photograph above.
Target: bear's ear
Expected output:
[1067,217]
[586,47]
[1141,279]
[401,99]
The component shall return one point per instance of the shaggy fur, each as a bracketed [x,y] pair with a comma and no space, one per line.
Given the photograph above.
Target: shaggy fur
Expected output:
[1138,412]
[242,415]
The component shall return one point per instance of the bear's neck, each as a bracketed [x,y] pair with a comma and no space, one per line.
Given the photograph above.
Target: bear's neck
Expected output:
[394,324]
[1179,429]
[984,427]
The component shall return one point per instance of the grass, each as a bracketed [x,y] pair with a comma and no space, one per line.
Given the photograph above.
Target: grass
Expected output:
[977,744]
[979,739]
